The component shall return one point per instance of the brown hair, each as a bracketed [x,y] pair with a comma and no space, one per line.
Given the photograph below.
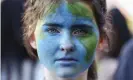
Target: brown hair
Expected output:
[35,9]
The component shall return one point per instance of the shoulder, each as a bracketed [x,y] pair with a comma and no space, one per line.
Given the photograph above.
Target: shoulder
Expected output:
[127,49]
[124,70]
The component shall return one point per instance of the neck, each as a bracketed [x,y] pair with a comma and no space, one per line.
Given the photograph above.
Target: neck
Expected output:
[51,76]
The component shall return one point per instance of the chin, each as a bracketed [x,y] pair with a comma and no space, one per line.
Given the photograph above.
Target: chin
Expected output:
[67,73]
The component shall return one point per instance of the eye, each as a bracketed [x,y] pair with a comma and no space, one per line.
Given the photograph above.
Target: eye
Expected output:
[80,32]
[53,30]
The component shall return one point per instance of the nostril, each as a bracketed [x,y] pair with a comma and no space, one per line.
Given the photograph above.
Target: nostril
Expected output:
[67,48]
[62,49]
[71,49]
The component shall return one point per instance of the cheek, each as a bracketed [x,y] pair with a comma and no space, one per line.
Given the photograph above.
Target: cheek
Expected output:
[45,43]
[46,48]
[90,44]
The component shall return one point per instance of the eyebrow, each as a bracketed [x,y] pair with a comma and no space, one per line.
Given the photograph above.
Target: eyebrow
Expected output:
[53,24]
[81,26]
[73,26]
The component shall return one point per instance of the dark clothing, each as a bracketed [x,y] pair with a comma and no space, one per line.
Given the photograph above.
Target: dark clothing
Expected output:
[12,50]
[11,29]
[125,68]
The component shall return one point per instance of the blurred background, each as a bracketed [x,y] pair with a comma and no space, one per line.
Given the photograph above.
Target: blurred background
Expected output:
[114,61]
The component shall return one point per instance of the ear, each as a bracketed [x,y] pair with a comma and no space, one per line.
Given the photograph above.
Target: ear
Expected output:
[32,42]
[102,48]
[103,45]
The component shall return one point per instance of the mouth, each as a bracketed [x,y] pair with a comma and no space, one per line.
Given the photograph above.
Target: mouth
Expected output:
[66,59]
[66,62]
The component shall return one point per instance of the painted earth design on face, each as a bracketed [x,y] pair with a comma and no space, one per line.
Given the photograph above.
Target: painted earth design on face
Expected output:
[48,44]
[76,9]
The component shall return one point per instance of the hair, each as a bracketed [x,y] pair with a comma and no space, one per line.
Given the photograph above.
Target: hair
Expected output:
[121,33]
[35,9]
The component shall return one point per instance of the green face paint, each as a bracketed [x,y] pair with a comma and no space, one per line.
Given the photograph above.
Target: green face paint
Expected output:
[90,43]
[79,9]
[39,31]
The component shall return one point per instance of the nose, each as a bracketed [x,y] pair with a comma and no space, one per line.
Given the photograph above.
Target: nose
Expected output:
[67,44]
[67,47]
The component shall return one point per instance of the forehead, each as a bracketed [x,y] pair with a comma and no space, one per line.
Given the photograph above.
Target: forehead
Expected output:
[68,14]
[78,9]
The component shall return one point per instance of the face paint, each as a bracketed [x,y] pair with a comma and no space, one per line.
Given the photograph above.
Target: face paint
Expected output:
[67,27]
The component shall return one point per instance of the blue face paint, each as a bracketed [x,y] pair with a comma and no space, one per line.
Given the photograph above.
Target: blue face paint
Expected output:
[61,40]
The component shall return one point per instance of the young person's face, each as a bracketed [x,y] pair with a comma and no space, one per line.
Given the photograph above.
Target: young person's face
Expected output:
[66,39]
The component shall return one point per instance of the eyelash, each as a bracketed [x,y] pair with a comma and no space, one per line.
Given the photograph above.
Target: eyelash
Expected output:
[75,32]
[53,30]
[79,32]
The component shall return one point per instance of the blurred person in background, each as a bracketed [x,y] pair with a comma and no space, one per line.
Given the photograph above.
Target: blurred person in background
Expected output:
[125,7]
[11,29]
[13,53]
[119,35]
[124,70]
[125,66]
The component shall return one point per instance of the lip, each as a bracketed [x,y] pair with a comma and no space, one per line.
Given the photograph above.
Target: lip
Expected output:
[66,59]
[66,62]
